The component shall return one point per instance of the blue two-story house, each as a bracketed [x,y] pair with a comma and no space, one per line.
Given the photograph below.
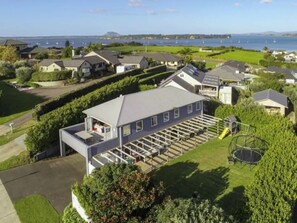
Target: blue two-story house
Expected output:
[117,130]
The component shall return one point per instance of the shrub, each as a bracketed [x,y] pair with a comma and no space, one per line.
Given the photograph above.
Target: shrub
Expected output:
[70,215]
[23,74]
[156,79]
[21,63]
[46,131]
[57,102]
[6,70]
[51,76]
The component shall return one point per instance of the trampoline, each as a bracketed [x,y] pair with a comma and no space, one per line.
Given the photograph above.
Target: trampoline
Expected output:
[247,149]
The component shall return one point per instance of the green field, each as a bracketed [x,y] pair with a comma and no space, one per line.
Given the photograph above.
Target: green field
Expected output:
[250,57]
[36,209]
[14,103]
[205,170]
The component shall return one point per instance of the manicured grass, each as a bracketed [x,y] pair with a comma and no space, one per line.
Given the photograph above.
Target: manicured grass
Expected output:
[205,170]
[16,132]
[251,57]
[14,103]
[36,209]
[15,161]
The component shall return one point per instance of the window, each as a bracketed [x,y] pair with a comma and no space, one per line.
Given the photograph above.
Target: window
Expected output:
[139,126]
[176,113]
[126,130]
[190,108]
[166,117]
[154,121]
[198,106]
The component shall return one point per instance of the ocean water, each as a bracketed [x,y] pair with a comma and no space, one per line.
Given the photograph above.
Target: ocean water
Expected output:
[255,42]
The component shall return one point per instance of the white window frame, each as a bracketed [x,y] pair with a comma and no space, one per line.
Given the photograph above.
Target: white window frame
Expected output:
[198,105]
[176,115]
[190,108]
[125,128]
[168,117]
[156,121]
[139,130]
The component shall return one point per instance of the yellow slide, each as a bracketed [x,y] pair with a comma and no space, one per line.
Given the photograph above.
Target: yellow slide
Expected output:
[224,133]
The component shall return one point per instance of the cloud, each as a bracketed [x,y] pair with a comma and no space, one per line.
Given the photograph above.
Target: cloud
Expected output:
[151,12]
[170,10]
[98,11]
[237,4]
[266,1]
[134,3]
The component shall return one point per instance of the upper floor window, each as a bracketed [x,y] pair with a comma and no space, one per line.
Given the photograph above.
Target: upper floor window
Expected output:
[154,121]
[166,117]
[126,130]
[176,113]
[198,105]
[190,108]
[139,126]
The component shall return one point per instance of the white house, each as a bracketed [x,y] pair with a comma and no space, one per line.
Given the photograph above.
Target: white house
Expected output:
[134,62]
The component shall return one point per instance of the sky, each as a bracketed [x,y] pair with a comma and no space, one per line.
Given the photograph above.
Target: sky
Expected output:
[96,17]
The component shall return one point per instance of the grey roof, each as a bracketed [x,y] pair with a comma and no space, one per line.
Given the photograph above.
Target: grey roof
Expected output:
[272,95]
[162,57]
[240,66]
[226,73]
[92,60]
[12,42]
[109,56]
[62,63]
[183,84]
[47,62]
[34,49]
[288,73]
[132,59]
[195,73]
[132,107]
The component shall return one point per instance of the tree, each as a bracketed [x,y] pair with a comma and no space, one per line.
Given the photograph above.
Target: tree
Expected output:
[42,55]
[191,210]
[21,63]
[265,49]
[6,70]
[199,64]
[67,43]
[117,193]
[187,54]
[67,52]
[9,54]
[93,47]
[23,74]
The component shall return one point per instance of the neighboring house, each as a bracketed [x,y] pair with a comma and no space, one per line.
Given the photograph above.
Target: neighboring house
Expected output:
[168,59]
[290,75]
[290,57]
[191,79]
[31,52]
[228,75]
[273,101]
[239,66]
[50,65]
[134,62]
[226,95]
[109,57]
[19,45]
[133,127]
[96,62]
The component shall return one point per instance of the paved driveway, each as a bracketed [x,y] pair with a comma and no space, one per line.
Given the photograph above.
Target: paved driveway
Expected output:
[51,178]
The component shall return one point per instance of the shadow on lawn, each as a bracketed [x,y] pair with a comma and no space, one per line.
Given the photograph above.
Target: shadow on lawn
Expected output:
[184,179]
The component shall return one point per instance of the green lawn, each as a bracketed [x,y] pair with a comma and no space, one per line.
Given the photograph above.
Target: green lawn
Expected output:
[15,161]
[14,103]
[251,57]
[36,209]
[16,132]
[205,170]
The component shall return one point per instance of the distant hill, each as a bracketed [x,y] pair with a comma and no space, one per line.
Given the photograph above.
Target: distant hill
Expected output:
[112,34]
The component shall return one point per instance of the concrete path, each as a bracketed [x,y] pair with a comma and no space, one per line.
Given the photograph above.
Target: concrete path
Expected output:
[7,211]
[12,148]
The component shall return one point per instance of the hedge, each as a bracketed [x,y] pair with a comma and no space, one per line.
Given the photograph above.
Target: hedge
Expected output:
[156,79]
[45,132]
[70,215]
[57,102]
[152,71]
[51,76]
[273,192]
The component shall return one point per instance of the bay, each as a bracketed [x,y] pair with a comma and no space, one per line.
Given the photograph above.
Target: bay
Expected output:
[254,42]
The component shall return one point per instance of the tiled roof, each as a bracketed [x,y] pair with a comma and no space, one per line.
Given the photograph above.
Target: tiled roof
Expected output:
[272,95]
